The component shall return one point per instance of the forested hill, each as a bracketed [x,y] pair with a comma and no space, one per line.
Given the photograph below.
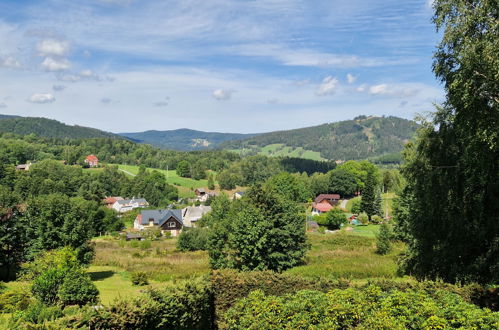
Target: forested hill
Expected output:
[49,128]
[360,138]
[184,139]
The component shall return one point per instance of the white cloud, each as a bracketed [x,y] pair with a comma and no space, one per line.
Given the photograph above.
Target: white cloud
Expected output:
[222,94]
[52,47]
[10,62]
[362,88]
[351,78]
[41,98]
[3,105]
[50,64]
[58,88]
[378,89]
[327,87]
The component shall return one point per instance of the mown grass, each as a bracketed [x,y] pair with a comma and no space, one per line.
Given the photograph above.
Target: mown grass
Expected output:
[279,149]
[348,255]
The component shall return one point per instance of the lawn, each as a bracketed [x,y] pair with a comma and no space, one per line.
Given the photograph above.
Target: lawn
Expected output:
[186,186]
[349,255]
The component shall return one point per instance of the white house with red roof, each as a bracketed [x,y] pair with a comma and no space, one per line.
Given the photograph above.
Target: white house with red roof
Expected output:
[92,161]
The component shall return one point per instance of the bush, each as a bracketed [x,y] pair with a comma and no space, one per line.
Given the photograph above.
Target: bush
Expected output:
[230,285]
[355,206]
[15,300]
[366,308]
[363,218]
[376,219]
[77,289]
[383,239]
[139,278]
[192,239]
[152,233]
[335,218]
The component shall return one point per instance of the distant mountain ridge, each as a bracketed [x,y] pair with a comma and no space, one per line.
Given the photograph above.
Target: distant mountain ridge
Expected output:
[184,139]
[361,138]
[49,128]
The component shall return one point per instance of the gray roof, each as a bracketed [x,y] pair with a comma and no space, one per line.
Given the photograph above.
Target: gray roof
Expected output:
[194,213]
[136,200]
[160,216]
[201,190]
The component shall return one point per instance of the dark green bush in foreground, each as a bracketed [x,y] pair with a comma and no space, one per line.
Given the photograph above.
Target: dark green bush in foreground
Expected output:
[367,308]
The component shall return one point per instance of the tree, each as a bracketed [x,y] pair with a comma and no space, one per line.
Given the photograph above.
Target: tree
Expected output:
[383,239]
[342,182]
[211,182]
[262,231]
[184,169]
[289,186]
[333,219]
[452,169]
[368,203]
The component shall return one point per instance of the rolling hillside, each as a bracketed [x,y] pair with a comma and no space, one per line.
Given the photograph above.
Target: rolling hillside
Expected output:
[360,138]
[184,139]
[50,128]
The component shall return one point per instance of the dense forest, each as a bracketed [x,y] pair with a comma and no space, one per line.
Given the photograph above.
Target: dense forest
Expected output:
[48,128]
[360,138]
[184,139]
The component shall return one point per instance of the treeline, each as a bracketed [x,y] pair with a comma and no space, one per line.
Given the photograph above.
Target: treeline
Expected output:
[55,205]
[50,128]
[360,138]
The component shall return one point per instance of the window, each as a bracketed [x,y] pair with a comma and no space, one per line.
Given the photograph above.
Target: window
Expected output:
[171,224]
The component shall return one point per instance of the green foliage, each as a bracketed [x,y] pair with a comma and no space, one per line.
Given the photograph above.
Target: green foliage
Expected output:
[139,278]
[383,239]
[249,171]
[367,308]
[355,206]
[14,300]
[60,279]
[184,169]
[274,226]
[363,218]
[211,182]
[332,219]
[229,286]
[451,198]
[193,239]
[353,139]
[369,203]
[342,182]
[289,186]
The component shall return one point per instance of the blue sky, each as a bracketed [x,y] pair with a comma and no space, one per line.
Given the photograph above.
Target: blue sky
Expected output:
[229,66]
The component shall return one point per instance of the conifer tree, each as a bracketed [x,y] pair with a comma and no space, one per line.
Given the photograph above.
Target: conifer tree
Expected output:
[368,202]
[211,182]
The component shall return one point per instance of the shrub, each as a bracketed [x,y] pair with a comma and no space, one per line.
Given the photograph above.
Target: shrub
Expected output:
[383,243]
[15,300]
[152,233]
[363,218]
[46,286]
[192,239]
[139,278]
[144,245]
[376,219]
[355,206]
[366,308]
[77,289]
[335,218]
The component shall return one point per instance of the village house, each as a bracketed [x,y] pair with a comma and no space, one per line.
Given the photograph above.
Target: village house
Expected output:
[23,167]
[165,220]
[125,205]
[109,201]
[202,194]
[92,161]
[324,203]
[191,214]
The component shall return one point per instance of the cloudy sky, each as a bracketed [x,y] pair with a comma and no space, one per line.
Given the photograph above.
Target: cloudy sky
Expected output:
[230,66]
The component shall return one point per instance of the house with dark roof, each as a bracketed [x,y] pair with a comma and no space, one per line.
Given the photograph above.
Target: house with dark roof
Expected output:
[324,203]
[125,205]
[166,220]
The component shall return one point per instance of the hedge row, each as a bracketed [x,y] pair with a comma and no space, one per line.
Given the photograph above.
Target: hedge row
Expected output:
[359,308]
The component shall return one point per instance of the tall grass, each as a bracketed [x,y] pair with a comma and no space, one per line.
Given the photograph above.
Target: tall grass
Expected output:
[159,259]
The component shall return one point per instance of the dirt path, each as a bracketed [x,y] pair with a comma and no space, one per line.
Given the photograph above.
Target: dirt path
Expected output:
[343,203]
[125,171]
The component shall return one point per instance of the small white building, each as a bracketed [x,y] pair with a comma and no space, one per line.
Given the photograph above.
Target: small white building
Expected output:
[127,205]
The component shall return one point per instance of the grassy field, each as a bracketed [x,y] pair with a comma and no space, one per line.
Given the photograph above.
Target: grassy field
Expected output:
[279,149]
[349,255]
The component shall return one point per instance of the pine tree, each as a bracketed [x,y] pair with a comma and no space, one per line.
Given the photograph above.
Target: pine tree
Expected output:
[211,182]
[368,202]
[383,243]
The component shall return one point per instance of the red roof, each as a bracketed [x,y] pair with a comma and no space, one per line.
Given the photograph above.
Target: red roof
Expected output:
[111,200]
[92,158]
[323,207]
[322,197]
